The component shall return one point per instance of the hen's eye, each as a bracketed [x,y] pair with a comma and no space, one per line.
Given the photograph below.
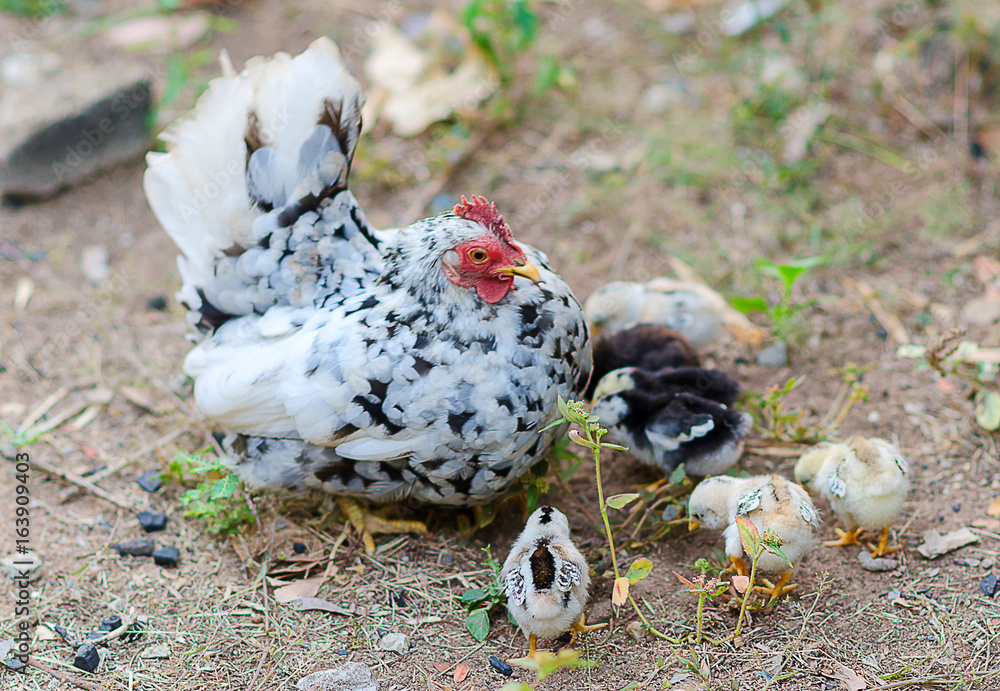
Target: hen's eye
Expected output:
[478,256]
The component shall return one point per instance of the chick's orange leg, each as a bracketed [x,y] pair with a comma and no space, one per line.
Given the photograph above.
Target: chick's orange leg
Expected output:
[882,549]
[581,627]
[848,538]
[532,645]
[367,523]
[739,566]
[779,588]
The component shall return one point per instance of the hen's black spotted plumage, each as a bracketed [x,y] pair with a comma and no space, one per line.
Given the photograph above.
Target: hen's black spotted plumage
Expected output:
[336,355]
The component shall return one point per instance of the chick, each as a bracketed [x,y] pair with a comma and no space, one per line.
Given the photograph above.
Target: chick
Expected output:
[546,579]
[866,482]
[692,309]
[647,346]
[675,416]
[769,502]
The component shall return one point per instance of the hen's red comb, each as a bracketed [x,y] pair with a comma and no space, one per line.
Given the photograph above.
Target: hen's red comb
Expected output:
[481,211]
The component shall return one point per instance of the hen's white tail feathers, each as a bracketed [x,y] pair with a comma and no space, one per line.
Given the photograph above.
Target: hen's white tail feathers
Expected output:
[282,130]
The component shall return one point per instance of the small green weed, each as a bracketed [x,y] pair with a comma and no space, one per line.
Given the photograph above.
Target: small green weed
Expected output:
[39,9]
[481,601]
[219,499]
[545,663]
[18,438]
[781,423]
[783,314]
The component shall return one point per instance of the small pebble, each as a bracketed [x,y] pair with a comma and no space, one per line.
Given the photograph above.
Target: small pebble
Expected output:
[299,547]
[398,598]
[636,630]
[166,556]
[501,666]
[394,642]
[150,481]
[66,635]
[775,355]
[87,658]
[152,522]
[989,585]
[987,563]
[157,651]
[111,623]
[446,559]
[135,548]
[157,303]
[868,563]
[956,508]
[352,676]
[18,566]
[15,665]
[134,632]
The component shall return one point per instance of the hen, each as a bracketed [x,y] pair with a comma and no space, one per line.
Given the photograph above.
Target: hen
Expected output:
[423,363]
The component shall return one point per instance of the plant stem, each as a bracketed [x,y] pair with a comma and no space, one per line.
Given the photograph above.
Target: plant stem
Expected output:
[701,607]
[596,448]
[746,595]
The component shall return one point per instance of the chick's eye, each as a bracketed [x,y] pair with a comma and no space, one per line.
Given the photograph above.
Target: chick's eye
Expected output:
[478,256]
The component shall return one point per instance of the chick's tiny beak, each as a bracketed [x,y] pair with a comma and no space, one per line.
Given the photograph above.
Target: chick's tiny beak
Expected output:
[522,267]
[693,524]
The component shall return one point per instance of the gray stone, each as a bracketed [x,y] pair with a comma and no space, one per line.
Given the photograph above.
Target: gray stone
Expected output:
[157,651]
[60,128]
[775,355]
[394,643]
[22,566]
[352,676]
[869,563]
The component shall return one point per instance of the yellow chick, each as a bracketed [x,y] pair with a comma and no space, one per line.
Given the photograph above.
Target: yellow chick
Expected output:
[546,579]
[866,482]
[769,502]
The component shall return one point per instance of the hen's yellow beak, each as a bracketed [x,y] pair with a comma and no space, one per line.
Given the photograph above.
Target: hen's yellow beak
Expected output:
[527,270]
[693,524]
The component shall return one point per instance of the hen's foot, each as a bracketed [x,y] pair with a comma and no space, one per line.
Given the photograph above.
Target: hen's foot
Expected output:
[367,523]
[848,538]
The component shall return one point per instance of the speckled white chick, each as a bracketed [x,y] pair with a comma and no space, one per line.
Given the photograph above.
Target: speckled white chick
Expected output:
[769,502]
[866,482]
[546,579]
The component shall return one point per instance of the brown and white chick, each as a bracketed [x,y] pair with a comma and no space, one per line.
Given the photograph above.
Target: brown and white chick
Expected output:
[866,482]
[546,579]
[769,502]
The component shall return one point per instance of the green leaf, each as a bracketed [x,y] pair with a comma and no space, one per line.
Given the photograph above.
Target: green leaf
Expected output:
[531,497]
[515,686]
[620,501]
[789,274]
[988,409]
[756,304]
[225,488]
[749,535]
[614,447]
[478,624]
[779,553]
[475,595]
[489,514]
[677,477]
[639,569]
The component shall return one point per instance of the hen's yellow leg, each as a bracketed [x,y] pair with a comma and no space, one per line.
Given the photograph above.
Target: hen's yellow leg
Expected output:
[367,523]
[778,588]
[848,538]
[882,549]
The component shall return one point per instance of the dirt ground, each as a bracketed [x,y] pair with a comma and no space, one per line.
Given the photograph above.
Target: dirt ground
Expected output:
[685,135]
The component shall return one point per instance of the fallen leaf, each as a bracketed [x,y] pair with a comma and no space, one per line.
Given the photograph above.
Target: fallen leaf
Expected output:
[461,672]
[994,508]
[620,594]
[741,583]
[305,604]
[306,588]
[141,398]
[852,680]
[442,666]
[935,544]
[988,409]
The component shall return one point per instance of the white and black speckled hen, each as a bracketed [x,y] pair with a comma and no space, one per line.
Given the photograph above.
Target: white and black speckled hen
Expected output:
[422,363]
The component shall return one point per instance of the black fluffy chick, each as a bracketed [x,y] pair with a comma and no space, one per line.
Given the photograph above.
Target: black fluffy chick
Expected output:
[650,347]
[671,417]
